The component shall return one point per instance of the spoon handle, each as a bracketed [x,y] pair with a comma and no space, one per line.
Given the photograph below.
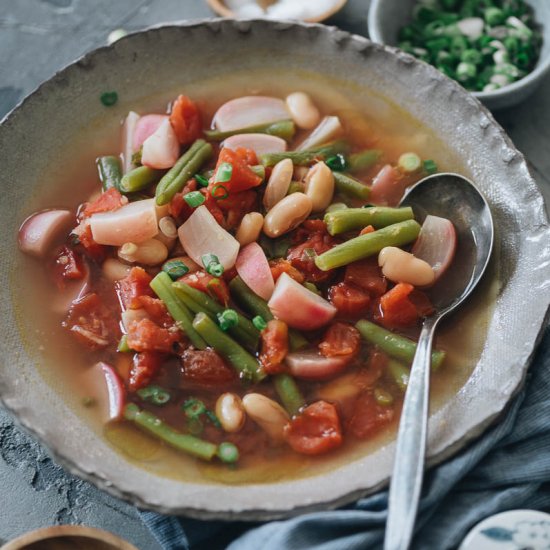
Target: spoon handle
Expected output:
[408,469]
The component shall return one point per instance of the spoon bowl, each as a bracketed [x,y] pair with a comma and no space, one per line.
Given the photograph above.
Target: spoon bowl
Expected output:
[457,199]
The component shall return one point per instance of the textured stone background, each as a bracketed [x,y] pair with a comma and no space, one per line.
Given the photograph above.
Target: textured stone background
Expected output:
[38,37]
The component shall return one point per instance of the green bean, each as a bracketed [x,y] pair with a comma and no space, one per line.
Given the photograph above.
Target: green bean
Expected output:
[241,360]
[110,172]
[185,168]
[138,179]
[397,234]
[358,162]
[289,392]
[198,301]
[400,373]
[303,158]
[162,286]
[394,345]
[283,128]
[123,346]
[350,187]
[341,221]
[255,305]
[182,442]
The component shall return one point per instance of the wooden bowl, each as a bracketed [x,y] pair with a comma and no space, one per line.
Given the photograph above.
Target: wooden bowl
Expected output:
[219,7]
[68,537]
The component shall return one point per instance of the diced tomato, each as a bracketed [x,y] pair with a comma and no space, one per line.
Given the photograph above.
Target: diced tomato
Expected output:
[348,299]
[230,274]
[242,177]
[367,230]
[315,430]
[248,155]
[106,202]
[308,228]
[144,368]
[213,207]
[369,416]
[302,256]
[178,208]
[145,335]
[274,346]
[367,275]
[340,339]
[402,306]
[83,233]
[280,266]
[156,310]
[213,286]
[236,205]
[421,302]
[186,120]
[68,266]
[206,368]
[133,286]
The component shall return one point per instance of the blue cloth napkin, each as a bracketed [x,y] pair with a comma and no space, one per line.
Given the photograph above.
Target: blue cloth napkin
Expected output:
[508,468]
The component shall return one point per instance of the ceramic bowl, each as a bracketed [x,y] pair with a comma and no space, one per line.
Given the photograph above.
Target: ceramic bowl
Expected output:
[181,55]
[386,17]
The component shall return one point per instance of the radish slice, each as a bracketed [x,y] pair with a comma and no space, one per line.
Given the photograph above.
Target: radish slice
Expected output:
[248,111]
[328,129]
[387,186]
[127,147]
[161,149]
[115,390]
[146,126]
[74,290]
[253,268]
[299,307]
[201,234]
[436,244]
[39,231]
[133,223]
[311,365]
[259,143]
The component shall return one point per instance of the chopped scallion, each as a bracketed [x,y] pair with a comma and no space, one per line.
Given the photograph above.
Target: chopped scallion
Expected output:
[224,172]
[109,98]
[429,166]
[194,198]
[201,180]
[219,192]
[259,322]
[228,452]
[337,163]
[409,162]
[193,408]
[175,269]
[154,394]
[227,319]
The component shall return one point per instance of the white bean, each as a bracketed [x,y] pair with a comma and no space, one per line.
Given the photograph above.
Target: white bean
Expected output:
[319,186]
[115,270]
[278,183]
[401,267]
[167,226]
[230,412]
[268,414]
[149,252]
[287,214]
[250,228]
[303,111]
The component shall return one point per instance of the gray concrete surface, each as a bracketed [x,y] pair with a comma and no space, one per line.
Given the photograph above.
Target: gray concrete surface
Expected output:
[37,37]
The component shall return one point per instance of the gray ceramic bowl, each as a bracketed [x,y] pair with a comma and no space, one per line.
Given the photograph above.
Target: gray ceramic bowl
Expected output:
[185,54]
[386,17]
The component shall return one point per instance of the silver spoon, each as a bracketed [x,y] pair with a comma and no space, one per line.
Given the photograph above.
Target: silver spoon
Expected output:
[456,198]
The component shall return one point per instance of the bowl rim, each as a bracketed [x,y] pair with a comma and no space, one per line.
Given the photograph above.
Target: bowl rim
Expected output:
[541,68]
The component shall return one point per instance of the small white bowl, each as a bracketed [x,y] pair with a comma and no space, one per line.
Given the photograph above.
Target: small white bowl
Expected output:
[386,17]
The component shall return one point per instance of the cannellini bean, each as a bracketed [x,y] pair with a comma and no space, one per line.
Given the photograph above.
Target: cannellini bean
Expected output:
[303,111]
[167,226]
[149,252]
[319,186]
[277,185]
[250,228]
[230,412]
[268,414]
[287,214]
[115,270]
[402,267]
[188,262]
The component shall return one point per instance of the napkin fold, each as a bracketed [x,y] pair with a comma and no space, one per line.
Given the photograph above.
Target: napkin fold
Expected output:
[507,468]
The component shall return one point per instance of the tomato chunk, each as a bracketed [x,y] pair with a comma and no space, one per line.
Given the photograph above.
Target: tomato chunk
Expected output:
[133,286]
[340,339]
[144,368]
[247,155]
[186,120]
[348,299]
[236,205]
[206,368]
[302,256]
[83,234]
[274,346]
[178,208]
[68,266]
[106,202]
[367,275]
[213,286]
[369,417]
[403,306]
[242,177]
[156,310]
[280,266]
[146,335]
[315,430]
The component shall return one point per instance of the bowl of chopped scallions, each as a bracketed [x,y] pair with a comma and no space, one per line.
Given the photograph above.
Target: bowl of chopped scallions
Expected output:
[497,49]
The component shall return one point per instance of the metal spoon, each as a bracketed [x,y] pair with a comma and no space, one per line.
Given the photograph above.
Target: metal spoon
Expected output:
[456,198]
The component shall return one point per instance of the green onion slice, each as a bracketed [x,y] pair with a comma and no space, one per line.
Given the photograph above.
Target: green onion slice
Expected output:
[259,322]
[154,394]
[224,172]
[228,319]
[194,198]
[175,269]
[228,452]
[201,180]
[219,192]
[193,408]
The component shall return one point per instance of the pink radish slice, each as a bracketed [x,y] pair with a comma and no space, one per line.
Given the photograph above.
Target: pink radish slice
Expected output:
[299,307]
[436,244]
[127,146]
[248,111]
[115,390]
[201,234]
[38,232]
[259,143]
[253,268]
[329,128]
[74,290]
[311,365]
[387,187]
[161,149]
[133,223]
[146,126]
